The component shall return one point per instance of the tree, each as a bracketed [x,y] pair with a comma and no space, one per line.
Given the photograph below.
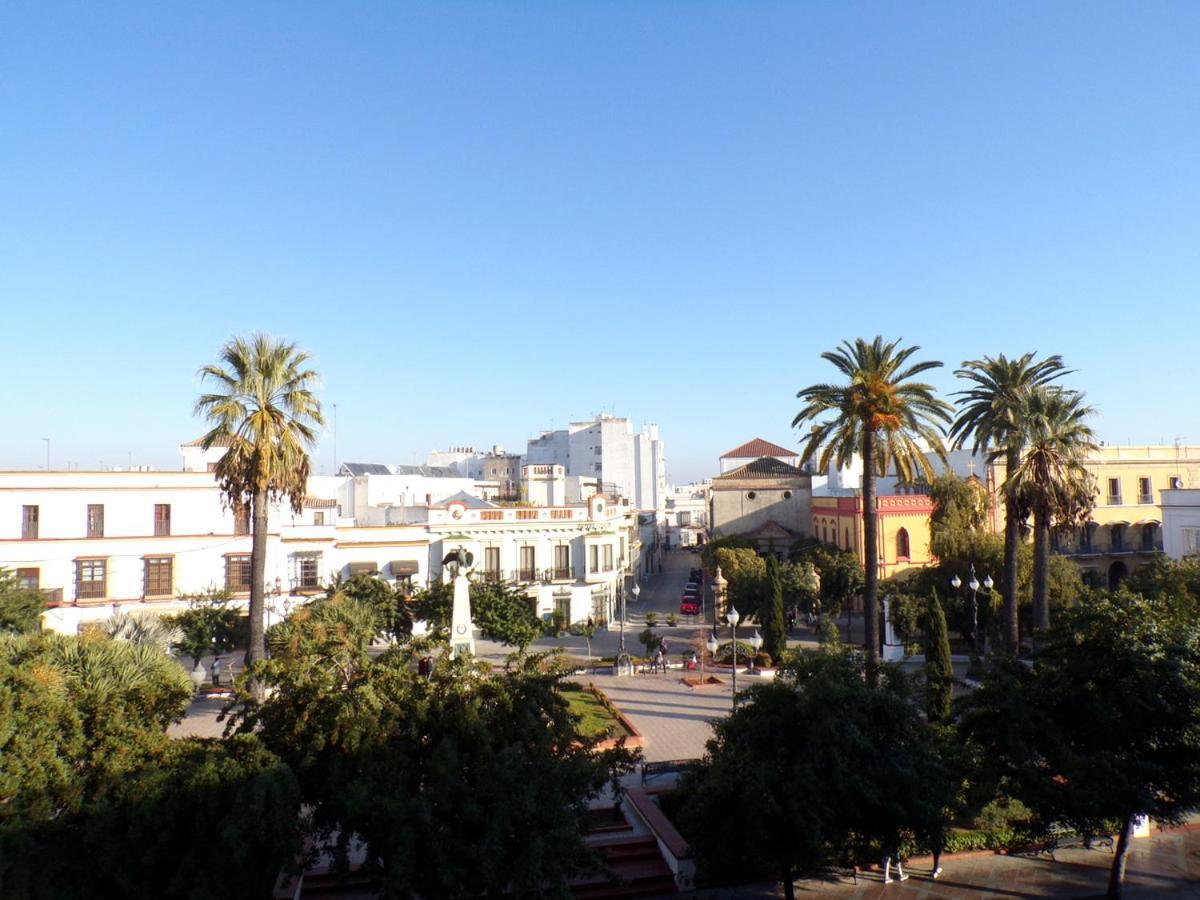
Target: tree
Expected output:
[839,574]
[881,414]
[391,609]
[1106,724]
[156,631]
[434,606]
[208,625]
[1051,480]
[467,782]
[939,673]
[817,764]
[505,613]
[959,517]
[990,417]
[1168,582]
[800,585]
[774,627]
[264,411]
[587,631]
[20,608]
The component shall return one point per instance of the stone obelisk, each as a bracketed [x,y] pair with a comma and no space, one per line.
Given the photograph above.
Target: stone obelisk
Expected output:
[462,629]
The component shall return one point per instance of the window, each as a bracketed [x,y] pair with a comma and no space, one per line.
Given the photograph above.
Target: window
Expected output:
[1085,537]
[319,518]
[562,561]
[1114,492]
[29,523]
[237,572]
[902,546]
[1191,541]
[594,558]
[608,558]
[685,519]
[158,580]
[308,572]
[241,520]
[528,559]
[28,579]
[1117,538]
[1176,483]
[1149,536]
[91,579]
[847,538]
[491,563]
[1145,491]
[162,519]
[95,520]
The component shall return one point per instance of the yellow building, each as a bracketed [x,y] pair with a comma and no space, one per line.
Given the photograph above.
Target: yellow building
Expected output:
[903,528]
[1125,528]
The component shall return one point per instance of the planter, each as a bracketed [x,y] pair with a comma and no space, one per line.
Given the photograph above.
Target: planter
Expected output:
[695,681]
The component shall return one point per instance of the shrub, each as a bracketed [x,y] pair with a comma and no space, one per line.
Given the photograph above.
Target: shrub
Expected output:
[651,619]
[672,620]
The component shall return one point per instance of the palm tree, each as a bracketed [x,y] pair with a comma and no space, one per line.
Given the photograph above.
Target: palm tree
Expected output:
[990,417]
[1051,480]
[266,413]
[879,414]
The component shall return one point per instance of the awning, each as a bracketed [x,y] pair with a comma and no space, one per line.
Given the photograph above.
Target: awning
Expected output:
[1147,522]
[363,568]
[1115,522]
[402,568]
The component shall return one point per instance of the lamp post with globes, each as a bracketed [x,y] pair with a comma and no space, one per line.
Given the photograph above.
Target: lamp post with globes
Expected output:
[732,618]
[756,643]
[974,585]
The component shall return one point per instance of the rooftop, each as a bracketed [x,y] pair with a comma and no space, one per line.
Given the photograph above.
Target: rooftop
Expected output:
[756,448]
[763,467]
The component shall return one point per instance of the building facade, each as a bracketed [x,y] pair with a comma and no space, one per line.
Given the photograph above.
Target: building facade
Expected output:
[1181,522]
[767,501]
[902,533]
[626,463]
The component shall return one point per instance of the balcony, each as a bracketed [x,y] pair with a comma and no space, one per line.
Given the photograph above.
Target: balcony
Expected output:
[1145,498]
[1114,500]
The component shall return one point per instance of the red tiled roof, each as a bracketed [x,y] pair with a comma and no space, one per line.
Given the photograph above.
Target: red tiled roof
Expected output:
[763,467]
[757,448]
[221,441]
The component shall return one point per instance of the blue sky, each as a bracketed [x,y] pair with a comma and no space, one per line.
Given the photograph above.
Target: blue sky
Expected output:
[488,219]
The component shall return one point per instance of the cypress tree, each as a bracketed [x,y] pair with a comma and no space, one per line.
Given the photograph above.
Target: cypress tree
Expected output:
[939,674]
[773,624]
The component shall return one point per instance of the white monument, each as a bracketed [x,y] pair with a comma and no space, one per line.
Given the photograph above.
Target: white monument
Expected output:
[893,648]
[462,629]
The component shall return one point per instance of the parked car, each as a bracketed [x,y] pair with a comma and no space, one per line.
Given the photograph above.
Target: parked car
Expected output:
[689,606]
[696,575]
[691,590]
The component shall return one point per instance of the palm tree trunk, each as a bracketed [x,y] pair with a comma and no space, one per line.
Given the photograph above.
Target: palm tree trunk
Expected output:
[1041,568]
[1012,544]
[870,552]
[258,570]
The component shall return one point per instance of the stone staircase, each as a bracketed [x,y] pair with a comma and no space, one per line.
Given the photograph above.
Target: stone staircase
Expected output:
[635,867]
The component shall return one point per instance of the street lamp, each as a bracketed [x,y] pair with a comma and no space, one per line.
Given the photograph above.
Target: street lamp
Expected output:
[974,585]
[624,666]
[756,643]
[733,618]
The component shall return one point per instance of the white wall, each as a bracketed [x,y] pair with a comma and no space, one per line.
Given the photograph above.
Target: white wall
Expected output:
[1181,522]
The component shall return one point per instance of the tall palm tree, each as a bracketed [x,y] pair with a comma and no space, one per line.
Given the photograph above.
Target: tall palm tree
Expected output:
[1051,481]
[265,411]
[880,414]
[990,417]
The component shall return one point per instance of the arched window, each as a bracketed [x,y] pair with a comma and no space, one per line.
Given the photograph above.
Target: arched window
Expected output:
[847,538]
[825,534]
[1149,536]
[902,544]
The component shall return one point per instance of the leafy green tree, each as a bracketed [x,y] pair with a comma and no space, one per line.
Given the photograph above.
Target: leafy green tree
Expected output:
[464,783]
[960,517]
[774,628]
[210,624]
[434,605]
[265,412]
[800,585]
[839,575]
[156,631]
[1173,583]
[708,556]
[505,613]
[939,672]
[20,608]
[1052,481]
[1106,724]
[880,413]
[587,631]
[827,634]
[859,764]
[391,608]
[990,418]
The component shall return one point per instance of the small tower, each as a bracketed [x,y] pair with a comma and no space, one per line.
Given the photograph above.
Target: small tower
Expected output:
[719,585]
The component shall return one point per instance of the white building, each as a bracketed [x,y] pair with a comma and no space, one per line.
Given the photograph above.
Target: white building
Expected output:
[1181,522]
[630,464]
[575,559]
[686,515]
[99,542]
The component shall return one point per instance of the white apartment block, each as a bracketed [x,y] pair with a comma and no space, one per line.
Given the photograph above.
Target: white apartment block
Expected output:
[630,464]
[686,515]
[99,542]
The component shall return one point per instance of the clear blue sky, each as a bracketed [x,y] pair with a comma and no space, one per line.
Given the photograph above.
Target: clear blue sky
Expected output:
[489,219]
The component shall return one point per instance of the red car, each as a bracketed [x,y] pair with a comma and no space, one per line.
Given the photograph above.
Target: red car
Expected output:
[689,606]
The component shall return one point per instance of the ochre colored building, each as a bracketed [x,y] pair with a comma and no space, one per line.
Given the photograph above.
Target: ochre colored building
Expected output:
[903,528]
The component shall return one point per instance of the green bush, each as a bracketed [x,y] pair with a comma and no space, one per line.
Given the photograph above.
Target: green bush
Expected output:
[651,619]
[672,620]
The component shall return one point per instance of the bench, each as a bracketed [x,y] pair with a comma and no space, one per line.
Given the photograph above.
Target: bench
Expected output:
[1064,839]
[663,767]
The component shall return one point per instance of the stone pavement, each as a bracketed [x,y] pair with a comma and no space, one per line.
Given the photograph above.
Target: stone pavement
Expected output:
[1163,866]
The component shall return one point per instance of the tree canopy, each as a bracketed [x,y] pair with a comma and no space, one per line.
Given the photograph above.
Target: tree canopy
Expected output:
[20,608]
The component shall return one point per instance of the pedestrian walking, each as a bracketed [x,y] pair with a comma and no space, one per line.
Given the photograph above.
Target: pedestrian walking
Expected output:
[216,671]
[662,646]
[892,849]
[659,664]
